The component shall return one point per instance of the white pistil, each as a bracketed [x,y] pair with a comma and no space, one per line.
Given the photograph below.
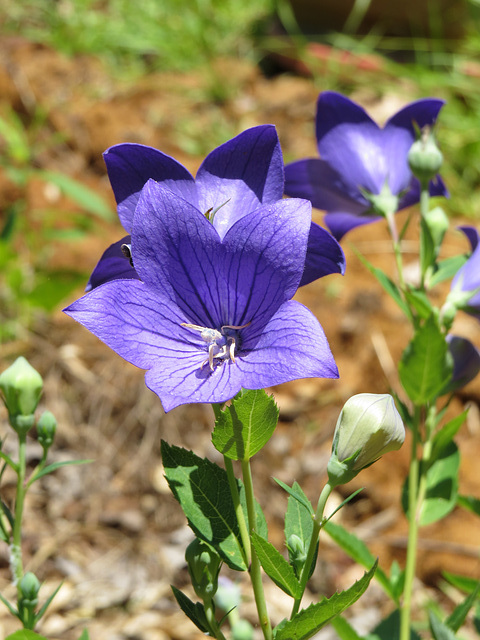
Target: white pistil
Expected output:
[219,345]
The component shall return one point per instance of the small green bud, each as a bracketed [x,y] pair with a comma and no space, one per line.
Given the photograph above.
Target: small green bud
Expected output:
[424,157]
[46,429]
[369,425]
[203,565]
[296,552]
[437,223]
[29,586]
[21,386]
[242,630]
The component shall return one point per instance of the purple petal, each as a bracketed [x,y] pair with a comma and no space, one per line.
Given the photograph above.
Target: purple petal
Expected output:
[436,187]
[177,251]
[350,141]
[468,277]
[324,255]
[399,134]
[292,345]
[113,265]
[240,175]
[472,235]
[130,165]
[340,223]
[466,362]
[315,180]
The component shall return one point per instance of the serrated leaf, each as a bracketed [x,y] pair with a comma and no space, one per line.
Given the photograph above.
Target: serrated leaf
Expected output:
[309,621]
[426,365]
[470,503]
[388,285]
[25,634]
[442,487]
[447,433]
[358,551]
[298,495]
[246,425]
[446,269]
[201,488]
[459,614]
[193,610]
[439,630]
[276,567]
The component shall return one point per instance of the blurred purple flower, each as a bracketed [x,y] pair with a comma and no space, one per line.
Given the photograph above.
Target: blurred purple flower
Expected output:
[466,362]
[358,157]
[467,279]
[233,180]
[211,311]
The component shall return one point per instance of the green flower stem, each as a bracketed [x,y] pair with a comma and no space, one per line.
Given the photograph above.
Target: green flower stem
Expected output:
[255,568]
[424,209]
[16,546]
[417,488]
[392,227]
[37,469]
[318,522]
[210,615]
[242,524]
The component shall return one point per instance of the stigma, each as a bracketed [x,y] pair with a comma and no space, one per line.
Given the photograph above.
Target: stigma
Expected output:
[221,344]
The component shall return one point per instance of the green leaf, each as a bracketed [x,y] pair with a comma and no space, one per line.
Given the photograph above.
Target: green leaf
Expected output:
[193,610]
[25,634]
[397,580]
[419,301]
[427,246]
[246,425]
[84,635]
[443,438]
[461,582]
[298,518]
[388,285]
[276,567]
[470,503]
[442,487]
[201,488]
[344,502]
[298,495]
[358,551]
[446,269]
[79,193]
[344,629]
[57,465]
[426,365]
[439,630]
[389,629]
[46,604]
[309,621]
[459,614]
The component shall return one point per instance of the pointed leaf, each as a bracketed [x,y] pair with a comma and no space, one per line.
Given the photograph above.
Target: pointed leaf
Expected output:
[358,551]
[388,285]
[309,621]
[84,635]
[201,488]
[344,629]
[45,606]
[419,301]
[447,433]
[470,503]
[246,425]
[342,504]
[459,614]
[298,495]
[446,269]
[461,582]
[426,365]
[276,567]
[56,465]
[298,519]
[193,610]
[439,630]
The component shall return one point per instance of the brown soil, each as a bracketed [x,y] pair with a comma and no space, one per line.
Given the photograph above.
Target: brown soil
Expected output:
[110,530]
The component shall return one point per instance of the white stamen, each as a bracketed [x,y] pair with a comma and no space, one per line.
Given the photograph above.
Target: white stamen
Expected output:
[220,346]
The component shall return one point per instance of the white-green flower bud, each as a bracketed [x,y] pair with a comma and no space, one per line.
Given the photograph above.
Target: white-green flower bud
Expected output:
[437,223]
[21,386]
[29,586]
[369,425]
[46,429]
[424,157]
[203,565]
[297,552]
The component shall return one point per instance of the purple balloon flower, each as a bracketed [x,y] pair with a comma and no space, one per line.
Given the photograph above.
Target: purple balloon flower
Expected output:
[211,312]
[233,180]
[467,279]
[359,157]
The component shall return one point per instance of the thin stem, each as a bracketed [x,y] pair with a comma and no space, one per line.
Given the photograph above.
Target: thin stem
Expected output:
[210,615]
[255,568]
[242,524]
[424,233]
[318,522]
[16,548]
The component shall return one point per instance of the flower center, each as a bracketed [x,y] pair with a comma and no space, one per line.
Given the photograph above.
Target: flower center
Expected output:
[221,344]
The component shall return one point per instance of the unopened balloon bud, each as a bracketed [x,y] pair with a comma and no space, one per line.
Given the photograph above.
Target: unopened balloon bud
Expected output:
[21,386]
[424,156]
[203,565]
[46,429]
